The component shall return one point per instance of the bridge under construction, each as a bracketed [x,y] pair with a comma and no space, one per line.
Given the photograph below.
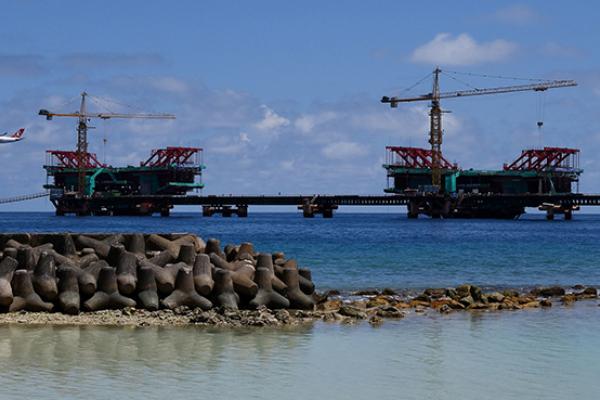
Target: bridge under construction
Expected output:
[420,179]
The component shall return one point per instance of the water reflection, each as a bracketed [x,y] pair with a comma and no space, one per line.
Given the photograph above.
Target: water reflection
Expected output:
[529,354]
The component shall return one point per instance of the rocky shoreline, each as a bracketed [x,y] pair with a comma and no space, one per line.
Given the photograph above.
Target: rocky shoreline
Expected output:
[372,306]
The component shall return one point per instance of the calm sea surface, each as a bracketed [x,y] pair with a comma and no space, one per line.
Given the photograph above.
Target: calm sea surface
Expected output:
[549,354]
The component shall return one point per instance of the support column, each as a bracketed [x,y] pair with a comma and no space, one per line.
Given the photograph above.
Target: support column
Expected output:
[242,211]
[412,210]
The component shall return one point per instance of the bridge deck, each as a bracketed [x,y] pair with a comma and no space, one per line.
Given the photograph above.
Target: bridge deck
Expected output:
[525,200]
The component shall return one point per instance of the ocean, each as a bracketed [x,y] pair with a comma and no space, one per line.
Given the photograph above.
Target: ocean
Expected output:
[541,353]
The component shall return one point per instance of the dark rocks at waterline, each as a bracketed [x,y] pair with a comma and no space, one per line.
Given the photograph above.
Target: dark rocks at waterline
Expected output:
[92,272]
[553,291]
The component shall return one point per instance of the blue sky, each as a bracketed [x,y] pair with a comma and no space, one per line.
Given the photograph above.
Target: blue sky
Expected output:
[284,96]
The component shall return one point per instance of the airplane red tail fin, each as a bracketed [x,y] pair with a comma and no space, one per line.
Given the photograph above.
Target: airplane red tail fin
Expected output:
[19,134]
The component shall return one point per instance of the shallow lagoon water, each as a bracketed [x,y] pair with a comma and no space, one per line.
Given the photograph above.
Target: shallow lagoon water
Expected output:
[543,353]
[550,354]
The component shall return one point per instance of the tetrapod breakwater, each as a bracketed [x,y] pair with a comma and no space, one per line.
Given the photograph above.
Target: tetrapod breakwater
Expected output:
[70,273]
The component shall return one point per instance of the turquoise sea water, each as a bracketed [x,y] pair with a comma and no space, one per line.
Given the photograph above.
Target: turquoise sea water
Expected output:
[533,354]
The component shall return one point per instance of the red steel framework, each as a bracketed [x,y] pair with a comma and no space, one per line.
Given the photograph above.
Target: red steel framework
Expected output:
[172,156]
[414,157]
[70,159]
[546,159]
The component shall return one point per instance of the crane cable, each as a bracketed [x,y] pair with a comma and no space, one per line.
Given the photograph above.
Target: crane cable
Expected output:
[496,76]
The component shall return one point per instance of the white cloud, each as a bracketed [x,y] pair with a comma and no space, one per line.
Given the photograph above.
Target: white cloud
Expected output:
[170,84]
[342,150]
[271,120]
[518,14]
[244,137]
[307,123]
[446,49]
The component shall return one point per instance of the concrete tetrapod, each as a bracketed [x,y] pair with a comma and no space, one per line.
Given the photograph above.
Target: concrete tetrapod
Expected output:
[161,259]
[88,278]
[44,277]
[137,245]
[8,265]
[84,261]
[99,246]
[165,280]
[305,279]
[68,290]
[172,246]
[107,296]
[25,298]
[243,281]
[127,272]
[223,292]
[231,252]
[146,288]
[297,298]
[242,275]
[26,258]
[66,245]
[266,296]
[214,246]
[114,254]
[185,294]
[306,285]
[265,260]
[187,254]
[245,250]
[220,262]
[10,252]
[202,273]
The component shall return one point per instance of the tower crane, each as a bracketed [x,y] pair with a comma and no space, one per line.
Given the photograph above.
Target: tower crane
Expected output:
[82,127]
[435,114]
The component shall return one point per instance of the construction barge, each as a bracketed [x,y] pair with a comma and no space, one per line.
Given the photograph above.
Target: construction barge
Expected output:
[168,172]
[468,193]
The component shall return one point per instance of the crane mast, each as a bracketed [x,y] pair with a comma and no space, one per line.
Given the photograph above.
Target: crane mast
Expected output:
[82,128]
[435,131]
[435,113]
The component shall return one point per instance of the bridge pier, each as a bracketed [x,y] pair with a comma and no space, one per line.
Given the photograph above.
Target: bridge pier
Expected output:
[226,211]
[309,210]
[553,209]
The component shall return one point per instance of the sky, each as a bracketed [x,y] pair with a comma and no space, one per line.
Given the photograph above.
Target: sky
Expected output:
[284,96]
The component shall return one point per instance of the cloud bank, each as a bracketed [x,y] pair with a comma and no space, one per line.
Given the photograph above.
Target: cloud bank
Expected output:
[445,49]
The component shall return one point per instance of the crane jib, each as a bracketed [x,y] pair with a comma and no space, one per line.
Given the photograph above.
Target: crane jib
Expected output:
[538,87]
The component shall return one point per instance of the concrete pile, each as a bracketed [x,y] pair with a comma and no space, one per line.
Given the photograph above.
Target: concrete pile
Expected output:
[91,272]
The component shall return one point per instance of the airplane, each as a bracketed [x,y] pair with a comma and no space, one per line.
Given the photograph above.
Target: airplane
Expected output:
[15,137]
